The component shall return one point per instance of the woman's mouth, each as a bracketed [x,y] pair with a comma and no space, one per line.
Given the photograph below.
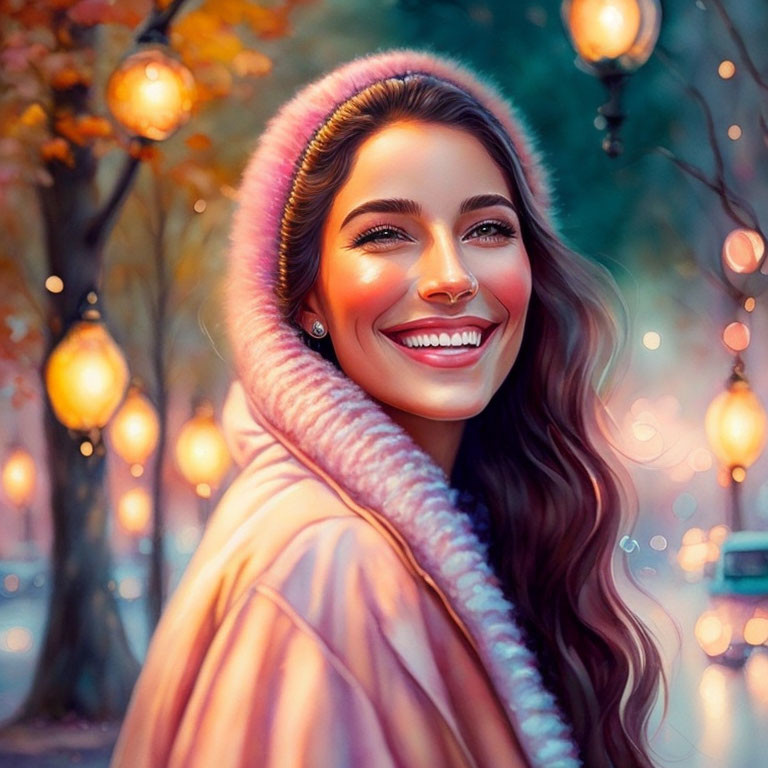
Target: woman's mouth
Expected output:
[444,347]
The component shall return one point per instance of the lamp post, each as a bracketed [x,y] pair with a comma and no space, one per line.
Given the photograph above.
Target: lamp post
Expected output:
[202,455]
[735,423]
[18,478]
[612,38]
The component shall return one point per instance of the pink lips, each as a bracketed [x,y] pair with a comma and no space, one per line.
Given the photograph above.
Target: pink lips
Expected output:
[444,357]
[449,324]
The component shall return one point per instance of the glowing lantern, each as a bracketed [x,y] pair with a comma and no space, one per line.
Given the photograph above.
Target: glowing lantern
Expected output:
[151,94]
[201,452]
[612,38]
[19,477]
[134,510]
[86,376]
[134,430]
[736,424]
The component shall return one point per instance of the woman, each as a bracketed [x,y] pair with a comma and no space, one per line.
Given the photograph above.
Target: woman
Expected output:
[418,428]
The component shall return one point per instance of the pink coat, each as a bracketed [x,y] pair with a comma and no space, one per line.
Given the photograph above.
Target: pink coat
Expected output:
[305,633]
[340,611]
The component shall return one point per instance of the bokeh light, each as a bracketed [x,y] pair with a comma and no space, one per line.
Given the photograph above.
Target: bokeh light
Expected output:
[736,336]
[54,284]
[18,477]
[651,340]
[134,510]
[743,250]
[726,69]
[713,634]
[17,640]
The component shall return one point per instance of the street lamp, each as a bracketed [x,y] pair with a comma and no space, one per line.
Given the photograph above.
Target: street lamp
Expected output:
[202,454]
[612,39]
[151,93]
[134,431]
[735,423]
[86,374]
[18,479]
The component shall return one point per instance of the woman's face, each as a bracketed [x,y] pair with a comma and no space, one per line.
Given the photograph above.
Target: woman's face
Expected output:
[423,234]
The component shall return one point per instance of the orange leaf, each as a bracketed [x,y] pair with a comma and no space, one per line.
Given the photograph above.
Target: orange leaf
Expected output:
[267,22]
[143,152]
[91,12]
[198,142]
[58,149]
[251,63]
[33,116]
[68,77]
[92,126]
[67,126]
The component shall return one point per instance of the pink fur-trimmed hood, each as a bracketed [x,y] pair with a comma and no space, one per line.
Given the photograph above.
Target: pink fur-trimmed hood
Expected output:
[340,428]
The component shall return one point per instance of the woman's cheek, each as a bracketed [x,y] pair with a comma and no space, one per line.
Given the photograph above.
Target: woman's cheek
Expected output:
[511,286]
[365,286]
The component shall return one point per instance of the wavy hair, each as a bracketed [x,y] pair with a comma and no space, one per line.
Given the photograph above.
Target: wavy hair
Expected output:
[538,455]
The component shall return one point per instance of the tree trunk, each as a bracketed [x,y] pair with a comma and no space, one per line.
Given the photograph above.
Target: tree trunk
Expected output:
[158,574]
[86,665]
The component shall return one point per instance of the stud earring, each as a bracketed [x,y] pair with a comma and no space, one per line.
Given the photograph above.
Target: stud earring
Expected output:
[318,330]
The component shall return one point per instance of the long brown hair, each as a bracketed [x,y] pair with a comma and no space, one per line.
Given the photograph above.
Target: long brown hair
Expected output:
[538,455]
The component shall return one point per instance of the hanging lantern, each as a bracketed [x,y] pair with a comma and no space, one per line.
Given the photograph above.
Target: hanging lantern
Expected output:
[612,39]
[134,510]
[19,476]
[86,375]
[151,93]
[201,452]
[134,430]
[736,424]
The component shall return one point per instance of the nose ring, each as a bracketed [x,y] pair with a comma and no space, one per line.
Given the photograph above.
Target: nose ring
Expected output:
[472,290]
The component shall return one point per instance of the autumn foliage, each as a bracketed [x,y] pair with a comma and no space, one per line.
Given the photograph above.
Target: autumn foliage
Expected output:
[55,57]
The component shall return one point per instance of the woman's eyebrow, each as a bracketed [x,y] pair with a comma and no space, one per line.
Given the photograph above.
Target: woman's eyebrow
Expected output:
[412,208]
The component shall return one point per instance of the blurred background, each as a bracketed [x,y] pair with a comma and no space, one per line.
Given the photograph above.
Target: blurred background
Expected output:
[125,127]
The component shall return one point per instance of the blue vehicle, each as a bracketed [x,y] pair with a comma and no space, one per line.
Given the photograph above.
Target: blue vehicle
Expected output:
[737,621]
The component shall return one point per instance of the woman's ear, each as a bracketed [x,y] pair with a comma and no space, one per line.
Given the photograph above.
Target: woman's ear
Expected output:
[311,311]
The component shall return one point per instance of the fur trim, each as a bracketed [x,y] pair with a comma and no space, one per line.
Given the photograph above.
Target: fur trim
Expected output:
[342,429]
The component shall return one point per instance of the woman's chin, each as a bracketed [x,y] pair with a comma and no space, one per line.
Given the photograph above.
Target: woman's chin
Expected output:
[456,409]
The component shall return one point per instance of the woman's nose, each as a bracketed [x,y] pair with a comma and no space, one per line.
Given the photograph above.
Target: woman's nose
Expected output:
[443,272]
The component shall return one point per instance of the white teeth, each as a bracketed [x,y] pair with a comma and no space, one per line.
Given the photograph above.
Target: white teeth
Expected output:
[466,338]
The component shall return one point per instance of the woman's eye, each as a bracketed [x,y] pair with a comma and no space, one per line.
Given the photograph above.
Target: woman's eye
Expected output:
[380,234]
[493,230]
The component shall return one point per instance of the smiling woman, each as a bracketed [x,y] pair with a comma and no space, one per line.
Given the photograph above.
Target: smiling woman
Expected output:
[414,566]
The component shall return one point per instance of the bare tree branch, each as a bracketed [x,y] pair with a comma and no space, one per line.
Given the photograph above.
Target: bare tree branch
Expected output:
[737,208]
[741,46]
